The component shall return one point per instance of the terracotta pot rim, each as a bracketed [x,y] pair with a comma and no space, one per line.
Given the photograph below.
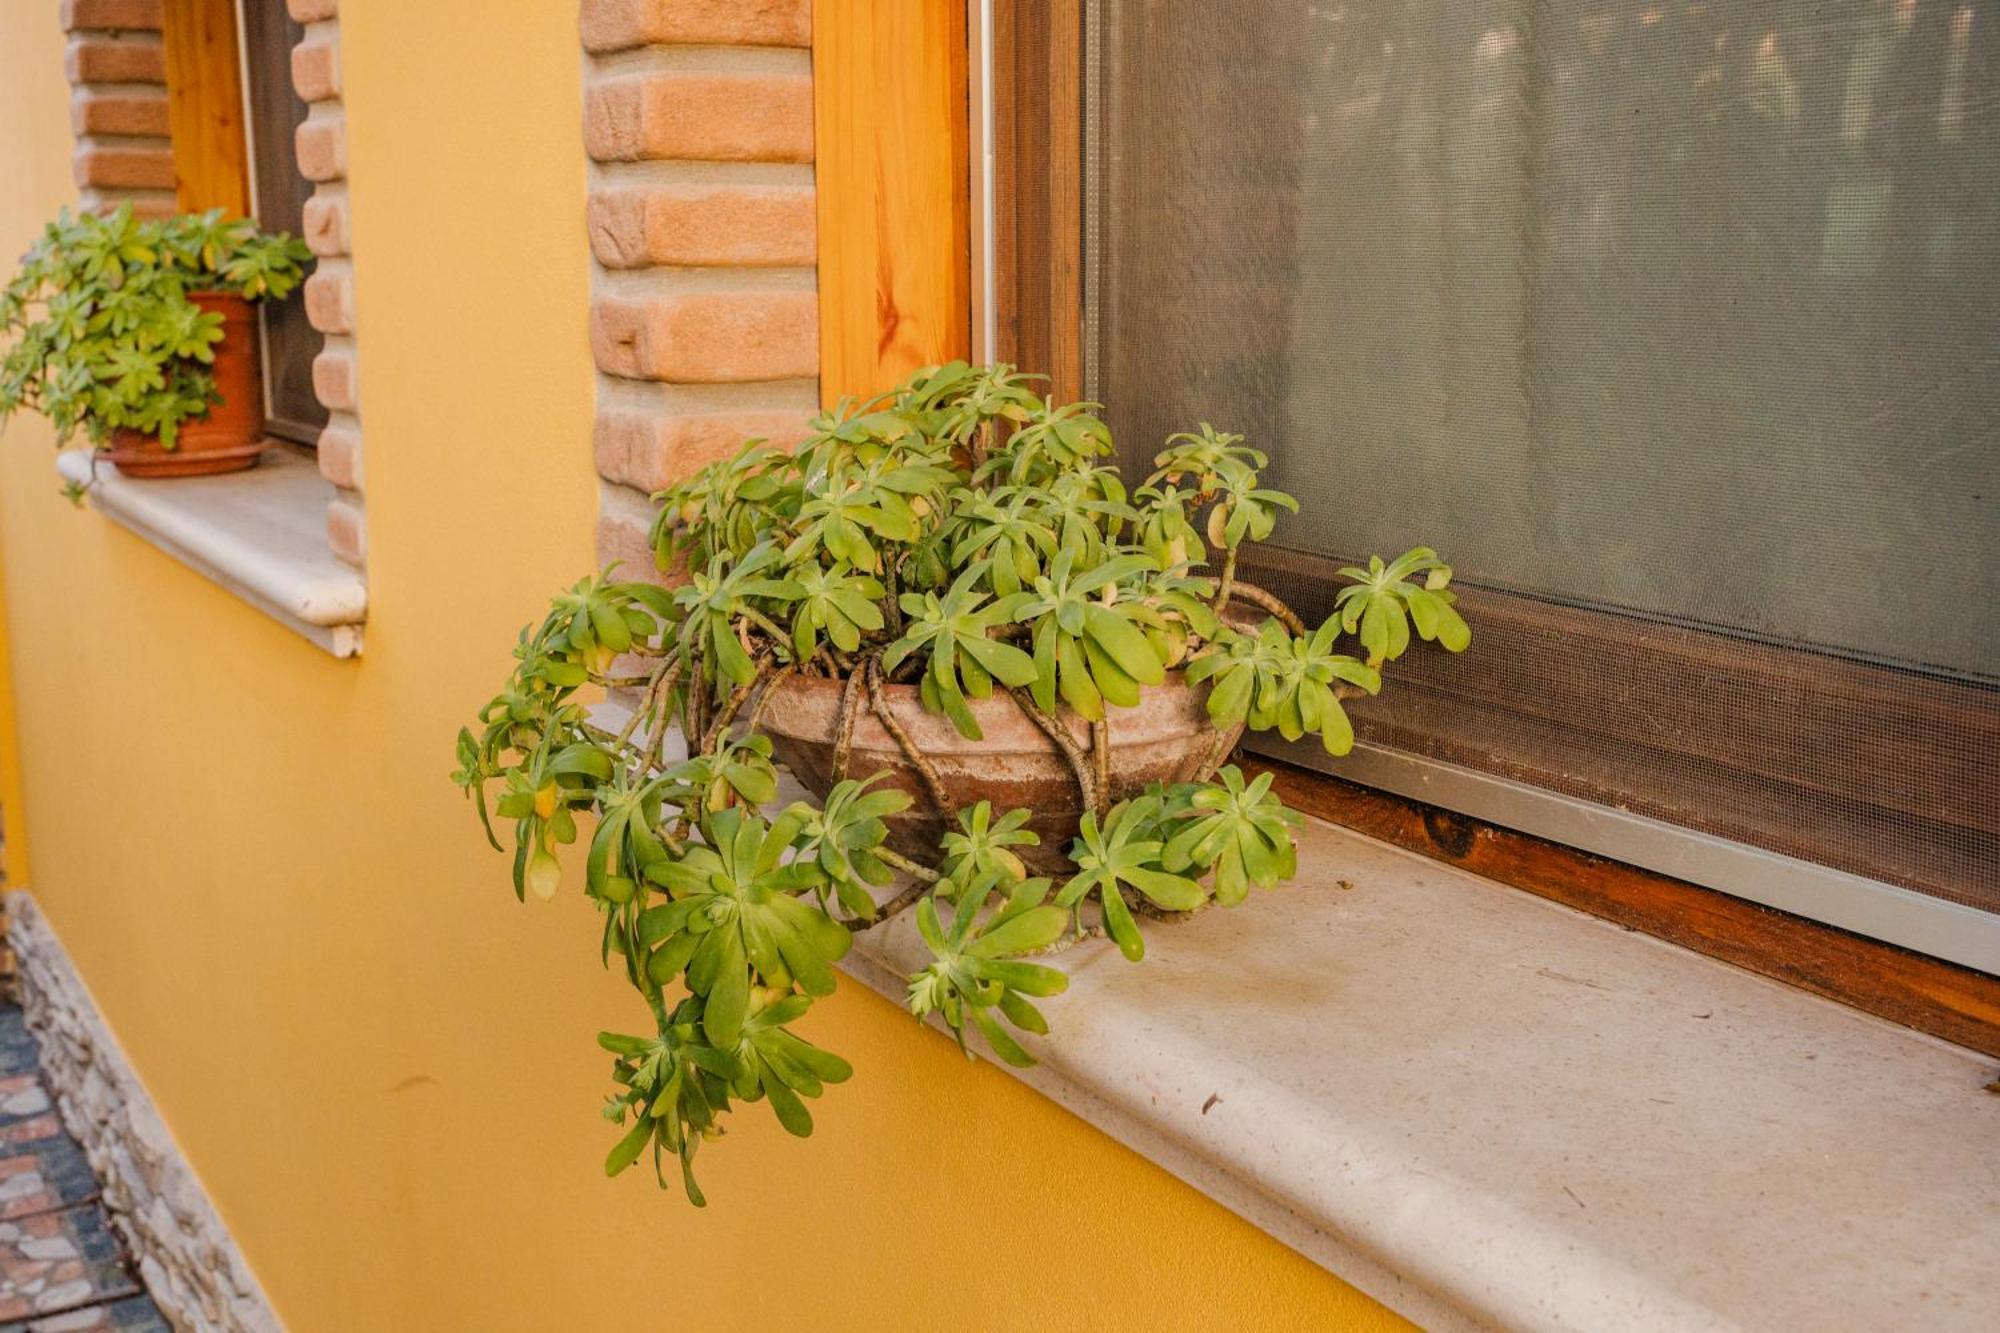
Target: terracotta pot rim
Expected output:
[899,690]
[1015,765]
[807,707]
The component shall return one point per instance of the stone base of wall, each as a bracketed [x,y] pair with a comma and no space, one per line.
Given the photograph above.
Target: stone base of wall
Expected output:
[190,1266]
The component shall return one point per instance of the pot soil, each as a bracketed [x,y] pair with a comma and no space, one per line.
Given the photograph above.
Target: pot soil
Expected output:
[231,437]
[1165,739]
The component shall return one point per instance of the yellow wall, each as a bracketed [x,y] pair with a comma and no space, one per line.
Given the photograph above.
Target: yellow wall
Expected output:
[381,1065]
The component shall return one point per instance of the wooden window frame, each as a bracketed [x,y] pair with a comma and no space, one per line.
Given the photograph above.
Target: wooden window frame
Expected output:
[214,153]
[892,176]
[292,410]
[1037,143]
[1036,68]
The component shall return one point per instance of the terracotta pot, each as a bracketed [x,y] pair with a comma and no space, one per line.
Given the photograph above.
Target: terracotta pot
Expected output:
[231,436]
[1016,765]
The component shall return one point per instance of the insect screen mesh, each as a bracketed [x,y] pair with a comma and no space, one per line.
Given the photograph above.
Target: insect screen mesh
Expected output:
[1672,324]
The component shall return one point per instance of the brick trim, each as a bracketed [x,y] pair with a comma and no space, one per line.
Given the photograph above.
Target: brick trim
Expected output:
[704,298]
[117,67]
[321,149]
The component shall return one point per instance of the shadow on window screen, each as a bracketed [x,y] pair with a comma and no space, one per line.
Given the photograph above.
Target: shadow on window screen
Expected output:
[1684,309]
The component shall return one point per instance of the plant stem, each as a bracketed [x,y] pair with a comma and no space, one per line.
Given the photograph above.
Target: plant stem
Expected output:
[895,907]
[922,878]
[660,682]
[850,712]
[979,439]
[662,709]
[764,622]
[1211,758]
[727,713]
[1100,746]
[907,866]
[771,684]
[624,736]
[1255,595]
[932,782]
[892,602]
[1226,585]
[901,903]
[691,721]
[1053,728]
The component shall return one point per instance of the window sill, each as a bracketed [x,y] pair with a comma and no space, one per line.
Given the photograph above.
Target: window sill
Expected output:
[1484,1108]
[260,533]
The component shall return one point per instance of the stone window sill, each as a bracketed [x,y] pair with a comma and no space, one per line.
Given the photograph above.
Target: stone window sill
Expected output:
[259,533]
[1483,1108]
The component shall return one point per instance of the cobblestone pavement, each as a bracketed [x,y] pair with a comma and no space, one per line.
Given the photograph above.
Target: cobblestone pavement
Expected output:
[62,1268]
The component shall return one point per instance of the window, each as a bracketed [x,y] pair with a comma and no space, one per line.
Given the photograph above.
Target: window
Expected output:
[234,114]
[1674,325]
[288,536]
[278,198]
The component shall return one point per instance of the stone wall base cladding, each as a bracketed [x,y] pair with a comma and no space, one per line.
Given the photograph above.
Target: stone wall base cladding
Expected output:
[188,1261]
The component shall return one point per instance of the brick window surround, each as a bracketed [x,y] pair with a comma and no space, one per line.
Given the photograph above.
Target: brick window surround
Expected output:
[117,67]
[321,152]
[704,323]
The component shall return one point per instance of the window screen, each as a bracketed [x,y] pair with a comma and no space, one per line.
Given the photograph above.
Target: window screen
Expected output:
[291,408]
[1674,325]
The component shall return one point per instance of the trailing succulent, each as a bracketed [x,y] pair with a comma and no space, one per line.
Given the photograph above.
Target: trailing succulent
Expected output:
[965,535]
[103,334]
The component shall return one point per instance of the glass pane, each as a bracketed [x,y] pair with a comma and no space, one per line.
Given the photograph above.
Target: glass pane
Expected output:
[1669,319]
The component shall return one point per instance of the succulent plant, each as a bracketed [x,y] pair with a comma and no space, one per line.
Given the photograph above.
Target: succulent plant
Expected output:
[964,534]
[102,333]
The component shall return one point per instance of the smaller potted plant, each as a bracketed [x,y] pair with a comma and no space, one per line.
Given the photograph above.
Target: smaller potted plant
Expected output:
[141,333]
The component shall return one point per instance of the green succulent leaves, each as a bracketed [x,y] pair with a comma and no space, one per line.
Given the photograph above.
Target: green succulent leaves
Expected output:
[103,335]
[1013,537]
[961,535]
[734,906]
[1124,853]
[844,837]
[1053,439]
[855,509]
[1238,829]
[1088,648]
[597,619]
[982,845]
[675,1085]
[1386,600]
[781,1067]
[976,976]
[835,602]
[715,599]
[1275,680]
[964,660]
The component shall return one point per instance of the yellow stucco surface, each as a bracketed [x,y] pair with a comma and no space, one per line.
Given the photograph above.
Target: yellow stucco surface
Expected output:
[379,1063]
